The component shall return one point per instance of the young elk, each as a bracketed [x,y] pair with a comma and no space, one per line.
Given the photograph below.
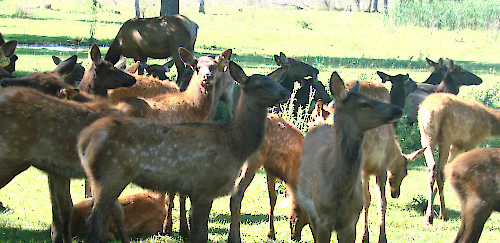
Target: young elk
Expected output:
[75,75]
[200,160]
[475,175]
[330,188]
[382,155]
[144,214]
[454,125]
[279,154]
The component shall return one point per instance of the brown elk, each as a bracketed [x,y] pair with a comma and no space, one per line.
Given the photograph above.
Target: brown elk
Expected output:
[43,133]
[279,154]
[144,214]
[75,75]
[475,177]
[144,88]
[382,155]
[7,58]
[135,148]
[453,125]
[159,71]
[158,38]
[329,187]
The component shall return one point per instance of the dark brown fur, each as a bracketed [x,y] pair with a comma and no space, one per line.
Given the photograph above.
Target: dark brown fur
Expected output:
[8,50]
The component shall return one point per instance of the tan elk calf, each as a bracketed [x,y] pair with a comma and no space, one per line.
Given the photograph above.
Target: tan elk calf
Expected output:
[453,125]
[382,155]
[329,187]
[279,154]
[144,214]
[475,176]
[200,160]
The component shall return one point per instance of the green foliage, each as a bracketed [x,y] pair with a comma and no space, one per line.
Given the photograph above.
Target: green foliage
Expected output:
[451,15]
[22,13]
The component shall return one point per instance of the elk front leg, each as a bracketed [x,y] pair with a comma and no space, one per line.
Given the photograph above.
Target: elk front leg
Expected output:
[200,210]
[271,182]
[62,208]
[365,178]
[381,180]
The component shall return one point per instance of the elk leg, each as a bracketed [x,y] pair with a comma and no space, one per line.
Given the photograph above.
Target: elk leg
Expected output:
[247,174]
[200,210]
[365,178]
[167,224]
[179,64]
[271,182]
[444,152]
[381,180]
[347,234]
[62,208]
[298,219]
[431,167]
[184,229]
[119,219]
[474,214]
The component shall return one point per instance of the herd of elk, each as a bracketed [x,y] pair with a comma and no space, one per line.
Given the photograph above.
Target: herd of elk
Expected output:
[143,129]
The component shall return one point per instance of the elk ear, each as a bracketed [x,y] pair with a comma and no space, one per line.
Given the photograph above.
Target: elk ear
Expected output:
[187,57]
[56,60]
[223,58]
[9,48]
[414,155]
[65,67]
[279,75]
[95,55]
[441,61]
[237,73]
[430,62]
[450,64]
[132,69]
[383,76]
[337,88]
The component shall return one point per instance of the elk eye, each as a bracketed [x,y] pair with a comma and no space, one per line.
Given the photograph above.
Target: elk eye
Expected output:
[364,105]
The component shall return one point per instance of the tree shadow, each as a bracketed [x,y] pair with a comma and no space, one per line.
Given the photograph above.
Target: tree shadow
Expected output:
[247,219]
[9,234]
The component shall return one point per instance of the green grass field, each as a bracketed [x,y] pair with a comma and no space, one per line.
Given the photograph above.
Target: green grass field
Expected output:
[356,45]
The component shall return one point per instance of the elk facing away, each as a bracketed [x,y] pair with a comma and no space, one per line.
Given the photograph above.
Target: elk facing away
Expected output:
[475,175]
[200,160]
[453,125]
[329,187]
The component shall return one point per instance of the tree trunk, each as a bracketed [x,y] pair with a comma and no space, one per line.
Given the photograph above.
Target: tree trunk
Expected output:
[201,6]
[137,10]
[169,7]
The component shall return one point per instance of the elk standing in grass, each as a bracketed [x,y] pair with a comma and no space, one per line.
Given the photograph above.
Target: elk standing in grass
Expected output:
[382,155]
[279,154]
[475,175]
[200,160]
[453,125]
[158,38]
[330,188]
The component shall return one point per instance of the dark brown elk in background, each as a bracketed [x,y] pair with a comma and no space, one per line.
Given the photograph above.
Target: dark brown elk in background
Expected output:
[329,187]
[475,176]
[307,76]
[7,58]
[453,125]
[157,38]
[75,75]
[179,151]
[159,71]
[402,86]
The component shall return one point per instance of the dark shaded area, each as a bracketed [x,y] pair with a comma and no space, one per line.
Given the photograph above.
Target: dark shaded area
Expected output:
[419,204]
[9,234]
[248,219]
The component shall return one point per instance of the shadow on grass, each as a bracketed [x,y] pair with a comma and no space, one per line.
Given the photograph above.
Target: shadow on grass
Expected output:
[256,60]
[9,234]
[247,219]
[419,205]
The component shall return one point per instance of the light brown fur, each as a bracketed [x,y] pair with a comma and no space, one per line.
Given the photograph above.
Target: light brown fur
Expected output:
[144,214]
[200,160]
[330,188]
[279,154]
[453,125]
[475,176]
[145,87]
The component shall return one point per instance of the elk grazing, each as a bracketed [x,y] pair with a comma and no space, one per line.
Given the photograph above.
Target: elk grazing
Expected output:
[382,155]
[75,75]
[330,188]
[279,154]
[144,214]
[158,38]
[453,125]
[43,133]
[475,176]
[7,58]
[168,158]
